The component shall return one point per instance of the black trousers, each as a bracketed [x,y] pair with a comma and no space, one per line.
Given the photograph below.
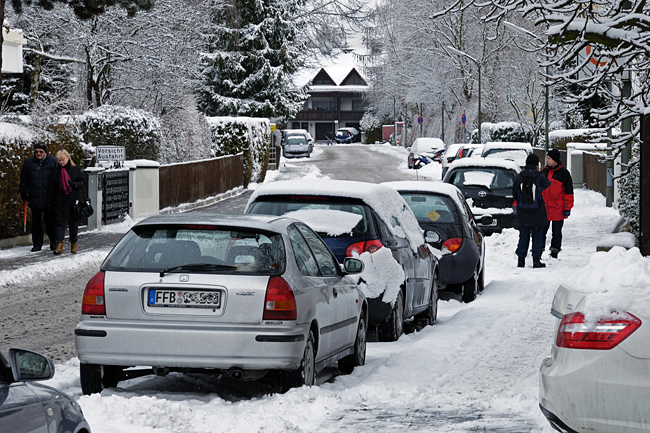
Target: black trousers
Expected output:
[556,233]
[525,233]
[40,217]
[73,226]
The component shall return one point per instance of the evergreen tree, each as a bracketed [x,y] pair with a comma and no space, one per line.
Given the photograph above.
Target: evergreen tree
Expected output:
[252,50]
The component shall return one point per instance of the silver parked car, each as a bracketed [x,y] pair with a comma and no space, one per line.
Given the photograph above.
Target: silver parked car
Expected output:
[27,407]
[240,294]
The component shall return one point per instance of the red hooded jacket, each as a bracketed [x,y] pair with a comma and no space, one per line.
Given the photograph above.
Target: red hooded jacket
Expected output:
[559,196]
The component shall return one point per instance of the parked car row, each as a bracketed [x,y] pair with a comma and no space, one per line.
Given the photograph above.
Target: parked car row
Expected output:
[285,290]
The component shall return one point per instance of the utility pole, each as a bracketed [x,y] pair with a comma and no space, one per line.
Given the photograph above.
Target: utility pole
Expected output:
[644,194]
[442,134]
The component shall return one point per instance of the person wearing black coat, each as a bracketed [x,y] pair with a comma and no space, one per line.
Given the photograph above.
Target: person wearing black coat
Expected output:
[35,187]
[532,220]
[68,182]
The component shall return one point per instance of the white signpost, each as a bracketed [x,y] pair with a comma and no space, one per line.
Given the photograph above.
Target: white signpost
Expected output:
[112,154]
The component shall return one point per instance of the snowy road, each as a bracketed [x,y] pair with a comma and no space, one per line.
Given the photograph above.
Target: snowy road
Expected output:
[474,371]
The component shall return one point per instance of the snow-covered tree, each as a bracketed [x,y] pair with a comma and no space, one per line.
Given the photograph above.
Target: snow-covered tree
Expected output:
[251,51]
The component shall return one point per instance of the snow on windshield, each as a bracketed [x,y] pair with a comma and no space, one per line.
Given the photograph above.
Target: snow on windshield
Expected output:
[478,178]
[329,221]
[385,201]
[519,156]
[625,289]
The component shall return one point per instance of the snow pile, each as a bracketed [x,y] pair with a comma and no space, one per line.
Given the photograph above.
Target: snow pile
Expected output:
[623,239]
[329,221]
[625,289]
[382,274]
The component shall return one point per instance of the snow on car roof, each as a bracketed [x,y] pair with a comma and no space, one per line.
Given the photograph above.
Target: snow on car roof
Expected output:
[385,201]
[329,221]
[437,186]
[626,289]
[506,145]
[485,162]
[427,143]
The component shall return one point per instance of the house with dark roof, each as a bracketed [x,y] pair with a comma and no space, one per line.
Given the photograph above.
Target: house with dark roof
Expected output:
[335,100]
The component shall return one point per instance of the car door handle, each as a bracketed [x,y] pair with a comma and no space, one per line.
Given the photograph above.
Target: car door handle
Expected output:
[335,292]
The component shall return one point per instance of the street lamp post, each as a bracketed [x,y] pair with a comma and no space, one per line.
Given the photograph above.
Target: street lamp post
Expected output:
[478,65]
[546,86]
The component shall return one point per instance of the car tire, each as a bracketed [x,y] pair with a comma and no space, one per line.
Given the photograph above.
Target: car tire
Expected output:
[393,327]
[90,376]
[306,373]
[430,315]
[469,289]
[358,358]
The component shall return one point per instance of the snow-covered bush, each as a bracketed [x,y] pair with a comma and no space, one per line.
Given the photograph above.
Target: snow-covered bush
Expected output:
[15,148]
[371,126]
[513,132]
[558,139]
[110,125]
[231,135]
[186,135]
[629,187]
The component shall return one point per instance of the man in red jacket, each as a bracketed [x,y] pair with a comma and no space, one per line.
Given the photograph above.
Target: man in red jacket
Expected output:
[558,198]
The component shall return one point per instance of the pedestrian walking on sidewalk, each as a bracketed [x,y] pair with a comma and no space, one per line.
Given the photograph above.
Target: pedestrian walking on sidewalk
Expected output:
[531,211]
[35,187]
[558,198]
[67,181]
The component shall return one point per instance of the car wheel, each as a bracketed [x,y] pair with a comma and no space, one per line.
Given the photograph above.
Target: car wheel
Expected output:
[431,313]
[306,373]
[90,376]
[392,329]
[358,358]
[469,290]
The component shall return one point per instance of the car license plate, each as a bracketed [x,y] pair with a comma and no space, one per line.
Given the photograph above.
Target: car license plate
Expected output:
[183,298]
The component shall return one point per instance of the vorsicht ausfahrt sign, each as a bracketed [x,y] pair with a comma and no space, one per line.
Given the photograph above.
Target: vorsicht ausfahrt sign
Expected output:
[111,153]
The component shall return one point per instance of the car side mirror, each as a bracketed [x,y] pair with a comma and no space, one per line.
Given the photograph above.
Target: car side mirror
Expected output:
[486,220]
[28,366]
[353,265]
[432,237]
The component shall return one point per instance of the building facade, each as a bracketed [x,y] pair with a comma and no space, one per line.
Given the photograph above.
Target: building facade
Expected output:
[331,104]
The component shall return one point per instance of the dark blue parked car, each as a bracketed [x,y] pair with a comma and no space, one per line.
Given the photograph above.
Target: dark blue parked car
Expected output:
[27,407]
[418,294]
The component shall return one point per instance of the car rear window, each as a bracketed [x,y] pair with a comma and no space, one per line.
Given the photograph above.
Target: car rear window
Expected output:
[209,249]
[487,177]
[430,208]
[280,206]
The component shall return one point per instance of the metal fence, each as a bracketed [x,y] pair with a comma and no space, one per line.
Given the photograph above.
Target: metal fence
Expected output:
[189,182]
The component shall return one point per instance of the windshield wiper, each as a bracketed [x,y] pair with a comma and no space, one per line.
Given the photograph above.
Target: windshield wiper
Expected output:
[211,266]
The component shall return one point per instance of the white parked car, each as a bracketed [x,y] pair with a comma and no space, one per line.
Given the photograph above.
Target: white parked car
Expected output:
[517,152]
[597,378]
[238,294]
[429,147]
[450,155]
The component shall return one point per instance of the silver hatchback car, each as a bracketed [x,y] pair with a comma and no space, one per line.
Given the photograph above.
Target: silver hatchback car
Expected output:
[241,294]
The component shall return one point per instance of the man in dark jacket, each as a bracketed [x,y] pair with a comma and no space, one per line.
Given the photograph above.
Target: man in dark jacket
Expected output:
[35,188]
[558,198]
[531,211]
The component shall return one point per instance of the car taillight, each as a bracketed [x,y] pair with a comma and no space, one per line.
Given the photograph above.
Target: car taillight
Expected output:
[452,245]
[575,333]
[362,247]
[280,303]
[93,300]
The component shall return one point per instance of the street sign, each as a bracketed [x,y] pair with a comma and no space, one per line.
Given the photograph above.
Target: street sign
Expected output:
[463,119]
[420,120]
[111,153]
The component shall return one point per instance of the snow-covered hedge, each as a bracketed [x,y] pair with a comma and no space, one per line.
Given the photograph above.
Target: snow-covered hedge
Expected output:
[15,148]
[110,125]
[502,131]
[628,203]
[231,135]
[558,139]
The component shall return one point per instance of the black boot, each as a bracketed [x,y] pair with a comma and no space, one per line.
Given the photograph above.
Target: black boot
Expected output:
[521,262]
[537,263]
[554,252]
